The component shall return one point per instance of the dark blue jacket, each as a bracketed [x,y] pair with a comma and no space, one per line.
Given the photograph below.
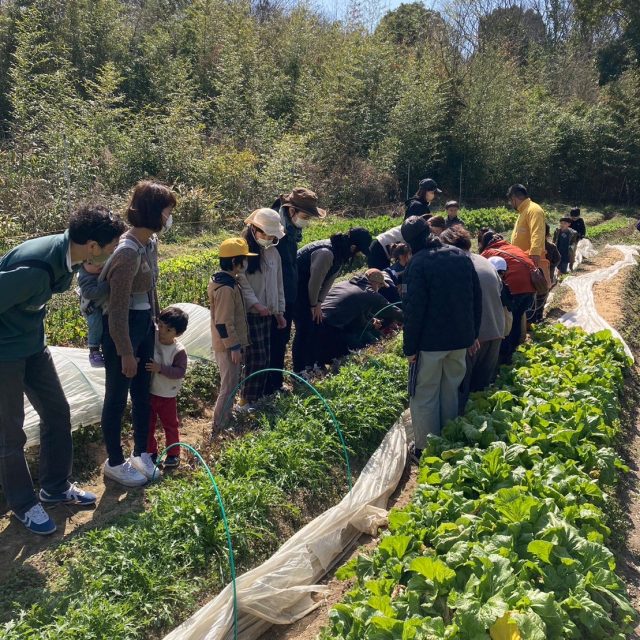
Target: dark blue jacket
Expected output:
[415,207]
[288,250]
[443,302]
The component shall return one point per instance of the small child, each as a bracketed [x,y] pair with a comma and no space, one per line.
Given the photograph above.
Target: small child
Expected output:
[94,294]
[168,367]
[229,327]
[577,223]
[437,224]
[566,239]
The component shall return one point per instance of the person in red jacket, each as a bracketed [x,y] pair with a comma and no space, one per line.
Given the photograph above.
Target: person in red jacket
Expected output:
[517,278]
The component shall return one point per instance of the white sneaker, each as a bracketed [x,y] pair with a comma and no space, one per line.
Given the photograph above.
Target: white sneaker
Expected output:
[145,465]
[125,474]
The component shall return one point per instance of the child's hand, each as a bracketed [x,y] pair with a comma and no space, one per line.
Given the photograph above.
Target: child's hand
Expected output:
[236,356]
[152,366]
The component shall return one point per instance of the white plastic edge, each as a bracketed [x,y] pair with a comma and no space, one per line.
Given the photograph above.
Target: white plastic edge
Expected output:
[279,591]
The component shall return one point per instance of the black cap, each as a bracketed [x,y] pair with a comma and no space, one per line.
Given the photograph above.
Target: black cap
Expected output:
[413,228]
[429,184]
[361,238]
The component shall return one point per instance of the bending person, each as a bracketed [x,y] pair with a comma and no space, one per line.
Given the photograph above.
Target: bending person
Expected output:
[318,266]
[353,311]
[29,276]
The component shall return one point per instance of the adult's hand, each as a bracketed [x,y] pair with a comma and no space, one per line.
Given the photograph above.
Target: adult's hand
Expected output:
[316,313]
[281,321]
[261,310]
[411,359]
[536,260]
[236,356]
[129,366]
[473,349]
[376,323]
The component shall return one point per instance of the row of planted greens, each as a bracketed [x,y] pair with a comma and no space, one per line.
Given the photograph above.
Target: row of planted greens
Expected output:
[506,536]
[144,573]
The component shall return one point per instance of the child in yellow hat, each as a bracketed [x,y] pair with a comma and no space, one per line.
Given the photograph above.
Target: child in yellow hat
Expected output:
[229,329]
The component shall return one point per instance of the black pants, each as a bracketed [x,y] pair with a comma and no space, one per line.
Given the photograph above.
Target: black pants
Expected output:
[118,386]
[279,340]
[35,376]
[304,342]
[377,257]
[521,302]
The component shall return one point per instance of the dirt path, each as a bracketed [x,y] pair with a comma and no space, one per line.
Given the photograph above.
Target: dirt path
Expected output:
[23,550]
[308,627]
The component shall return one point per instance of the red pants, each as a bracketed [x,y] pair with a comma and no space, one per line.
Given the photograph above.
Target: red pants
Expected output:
[167,410]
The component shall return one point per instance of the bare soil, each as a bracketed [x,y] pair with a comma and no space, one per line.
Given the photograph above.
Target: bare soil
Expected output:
[22,549]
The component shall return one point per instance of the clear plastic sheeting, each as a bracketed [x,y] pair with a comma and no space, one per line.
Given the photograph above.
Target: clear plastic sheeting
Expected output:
[586,315]
[584,251]
[84,386]
[197,338]
[279,591]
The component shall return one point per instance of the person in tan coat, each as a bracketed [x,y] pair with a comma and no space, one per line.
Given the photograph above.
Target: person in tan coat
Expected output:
[229,328]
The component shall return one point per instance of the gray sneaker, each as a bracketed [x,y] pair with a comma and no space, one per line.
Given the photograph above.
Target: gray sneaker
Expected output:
[125,474]
[145,465]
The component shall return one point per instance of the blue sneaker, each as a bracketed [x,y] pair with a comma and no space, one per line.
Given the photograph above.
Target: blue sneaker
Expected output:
[37,520]
[73,495]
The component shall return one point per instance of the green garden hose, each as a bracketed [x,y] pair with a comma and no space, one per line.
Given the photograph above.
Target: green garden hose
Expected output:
[336,424]
[375,315]
[232,562]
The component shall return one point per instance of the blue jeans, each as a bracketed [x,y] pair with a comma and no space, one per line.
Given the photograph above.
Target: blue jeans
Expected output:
[118,386]
[94,323]
[35,376]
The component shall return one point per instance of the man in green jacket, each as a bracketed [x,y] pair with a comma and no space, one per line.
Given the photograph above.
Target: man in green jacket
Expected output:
[29,275]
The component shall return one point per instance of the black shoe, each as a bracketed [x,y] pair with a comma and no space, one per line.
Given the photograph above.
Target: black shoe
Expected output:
[172,461]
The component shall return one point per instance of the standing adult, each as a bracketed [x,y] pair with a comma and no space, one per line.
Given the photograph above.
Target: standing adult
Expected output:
[380,250]
[577,223]
[442,312]
[128,338]
[418,205]
[481,366]
[263,291]
[453,209]
[318,266]
[296,211]
[517,278]
[529,230]
[29,276]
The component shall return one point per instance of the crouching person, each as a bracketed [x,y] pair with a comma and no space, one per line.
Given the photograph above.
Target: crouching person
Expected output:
[229,328]
[442,312]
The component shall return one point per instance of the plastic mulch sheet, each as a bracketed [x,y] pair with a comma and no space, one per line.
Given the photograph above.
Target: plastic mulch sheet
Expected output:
[586,315]
[84,386]
[279,591]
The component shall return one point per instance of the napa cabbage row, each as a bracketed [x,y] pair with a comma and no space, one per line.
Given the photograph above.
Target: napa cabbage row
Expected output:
[145,572]
[506,534]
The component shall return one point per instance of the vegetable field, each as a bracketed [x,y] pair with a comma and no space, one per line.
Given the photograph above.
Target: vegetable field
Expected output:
[507,534]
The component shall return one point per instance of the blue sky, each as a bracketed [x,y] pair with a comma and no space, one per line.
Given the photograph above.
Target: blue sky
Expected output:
[337,8]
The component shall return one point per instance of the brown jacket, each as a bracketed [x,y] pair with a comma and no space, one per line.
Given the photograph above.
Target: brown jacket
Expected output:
[229,329]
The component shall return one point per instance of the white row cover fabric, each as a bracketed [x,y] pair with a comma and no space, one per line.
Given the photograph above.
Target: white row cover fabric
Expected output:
[586,315]
[84,386]
[279,591]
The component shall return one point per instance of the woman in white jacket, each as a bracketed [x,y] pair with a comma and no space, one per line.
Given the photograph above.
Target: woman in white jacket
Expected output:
[263,293]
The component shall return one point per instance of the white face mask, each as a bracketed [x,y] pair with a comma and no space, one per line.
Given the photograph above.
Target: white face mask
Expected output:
[263,242]
[167,224]
[300,223]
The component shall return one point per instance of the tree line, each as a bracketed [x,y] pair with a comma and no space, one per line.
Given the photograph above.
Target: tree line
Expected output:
[234,102]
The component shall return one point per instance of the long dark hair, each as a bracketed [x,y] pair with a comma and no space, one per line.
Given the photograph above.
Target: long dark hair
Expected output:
[341,245]
[253,262]
[421,194]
